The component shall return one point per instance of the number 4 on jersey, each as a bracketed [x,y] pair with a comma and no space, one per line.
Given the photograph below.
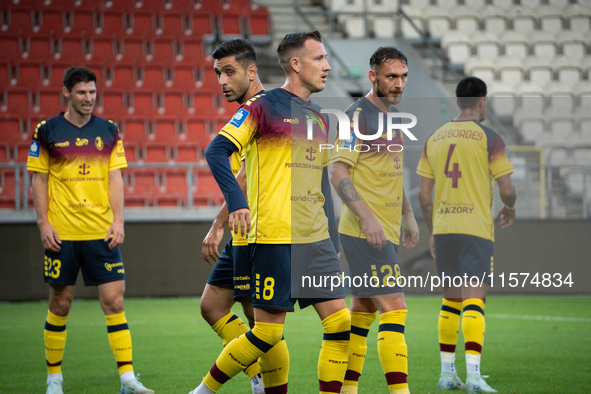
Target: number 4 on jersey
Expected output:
[455,173]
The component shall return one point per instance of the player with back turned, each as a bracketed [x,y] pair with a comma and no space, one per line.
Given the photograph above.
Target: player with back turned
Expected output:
[461,160]
[286,227]
[371,188]
[76,158]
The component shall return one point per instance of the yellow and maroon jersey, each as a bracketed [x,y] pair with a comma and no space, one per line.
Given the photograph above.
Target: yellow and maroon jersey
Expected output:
[464,158]
[77,161]
[284,168]
[375,170]
[235,163]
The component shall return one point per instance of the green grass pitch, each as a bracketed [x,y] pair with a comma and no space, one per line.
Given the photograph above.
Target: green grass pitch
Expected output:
[533,345]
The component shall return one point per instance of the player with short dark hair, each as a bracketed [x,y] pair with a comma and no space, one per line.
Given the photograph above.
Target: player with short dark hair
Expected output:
[76,158]
[461,160]
[229,280]
[289,196]
[369,182]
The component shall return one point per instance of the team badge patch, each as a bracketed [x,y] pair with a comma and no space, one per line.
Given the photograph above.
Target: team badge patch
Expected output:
[239,117]
[98,142]
[35,149]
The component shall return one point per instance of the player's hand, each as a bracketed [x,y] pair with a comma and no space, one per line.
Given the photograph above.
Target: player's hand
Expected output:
[209,248]
[411,231]
[507,216]
[49,237]
[239,221]
[116,233]
[432,245]
[374,232]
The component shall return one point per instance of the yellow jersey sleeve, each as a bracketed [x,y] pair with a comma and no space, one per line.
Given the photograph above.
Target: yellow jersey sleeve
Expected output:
[424,168]
[117,160]
[244,124]
[38,158]
[499,161]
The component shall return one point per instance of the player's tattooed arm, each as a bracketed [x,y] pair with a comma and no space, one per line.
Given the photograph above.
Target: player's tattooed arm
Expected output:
[406,208]
[347,191]
[427,210]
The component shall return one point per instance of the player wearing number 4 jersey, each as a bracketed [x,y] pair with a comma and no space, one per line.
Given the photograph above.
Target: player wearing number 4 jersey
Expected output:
[76,159]
[461,160]
[370,185]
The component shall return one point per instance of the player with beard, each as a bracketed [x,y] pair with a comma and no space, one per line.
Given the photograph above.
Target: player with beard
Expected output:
[229,281]
[369,182]
[287,230]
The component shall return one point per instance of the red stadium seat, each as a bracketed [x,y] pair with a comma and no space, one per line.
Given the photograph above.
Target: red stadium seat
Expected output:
[7,188]
[187,145]
[110,23]
[38,48]
[230,25]
[70,49]
[157,145]
[142,188]
[202,27]
[202,102]
[134,129]
[28,74]
[183,76]
[21,147]
[55,74]
[81,22]
[11,47]
[16,100]
[132,49]
[111,104]
[49,101]
[102,49]
[11,127]
[161,50]
[171,24]
[207,192]
[208,80]
[6,75]
[191,51]
[258,24]
[19,21]
[172,102]
[142,102]
[147,5]
[51,21]
[152,76]
[226,110]
[81,5]
[141,24]
[122,76]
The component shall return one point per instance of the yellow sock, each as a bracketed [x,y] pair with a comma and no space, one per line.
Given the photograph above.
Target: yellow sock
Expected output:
[274,366]
[332,361]
[55,341]
[392,350]
[120,341]
[241,352]
[448,326]
[229,328]
[473,325]
[360,324]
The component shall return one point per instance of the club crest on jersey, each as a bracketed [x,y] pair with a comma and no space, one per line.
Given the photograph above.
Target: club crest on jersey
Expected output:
[98,142]
[35,149]
[239,117]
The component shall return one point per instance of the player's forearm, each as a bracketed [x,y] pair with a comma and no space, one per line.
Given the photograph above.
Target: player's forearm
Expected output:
[348,194]
[406,207]
[507,190]
[116,195]
[217,154]
[427,209]
[40,196]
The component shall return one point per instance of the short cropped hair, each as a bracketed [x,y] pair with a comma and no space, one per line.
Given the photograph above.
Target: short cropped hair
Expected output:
[73,75]
[469,91]
[293,42]
[383,54]
[242,49]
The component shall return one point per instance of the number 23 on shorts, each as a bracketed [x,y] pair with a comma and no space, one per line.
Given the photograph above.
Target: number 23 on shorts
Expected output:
[52,267]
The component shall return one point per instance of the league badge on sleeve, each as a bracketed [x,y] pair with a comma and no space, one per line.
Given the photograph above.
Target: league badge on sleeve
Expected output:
[239,117]
[35,149]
